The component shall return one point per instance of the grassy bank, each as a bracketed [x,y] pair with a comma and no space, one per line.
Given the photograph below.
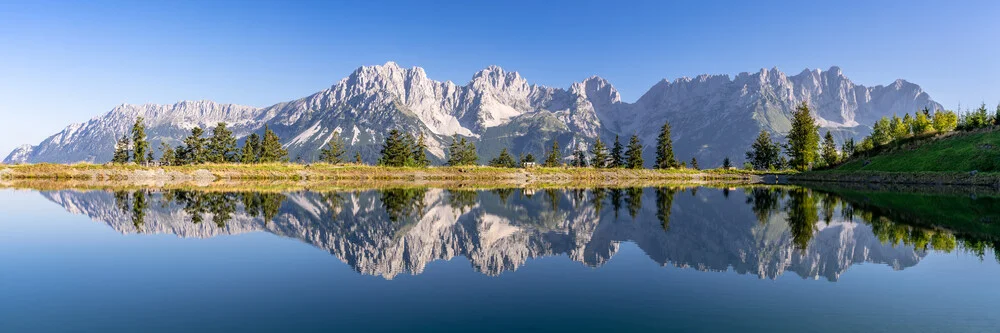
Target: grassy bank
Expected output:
[970,158]
[95,175]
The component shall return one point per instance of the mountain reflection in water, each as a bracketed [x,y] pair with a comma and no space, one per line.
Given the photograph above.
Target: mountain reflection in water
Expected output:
[763,231]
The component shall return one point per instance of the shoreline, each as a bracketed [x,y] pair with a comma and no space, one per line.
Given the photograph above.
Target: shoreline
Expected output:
[303,175]
[899,178]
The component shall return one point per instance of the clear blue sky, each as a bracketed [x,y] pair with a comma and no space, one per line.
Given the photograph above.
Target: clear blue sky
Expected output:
[63,62]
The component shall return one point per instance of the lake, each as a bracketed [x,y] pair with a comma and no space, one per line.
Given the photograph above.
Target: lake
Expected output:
[690,259]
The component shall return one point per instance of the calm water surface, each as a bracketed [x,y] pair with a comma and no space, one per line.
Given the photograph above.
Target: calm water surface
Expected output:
[683,259]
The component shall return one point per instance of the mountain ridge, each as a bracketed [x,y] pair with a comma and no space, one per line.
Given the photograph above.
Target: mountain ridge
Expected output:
[713,116]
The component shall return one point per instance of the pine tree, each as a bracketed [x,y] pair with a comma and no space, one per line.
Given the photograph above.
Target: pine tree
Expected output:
[333,152]
[554,158]
[763,153]
[221,145]
[665,149]
[600,152]
[193,151]
[803,139]
[167,156]
[900,129]
[829,150]
[395,150]
[848,148]
[529,158]
[420,152]
[251,149]
[140,147]
[504,160]
[726,163]
[694,163]
[357,157]
[469,154]
[579,159]
[121,150]
[633,155]
[617,154]
[270,148]
[882,132]
[455,150]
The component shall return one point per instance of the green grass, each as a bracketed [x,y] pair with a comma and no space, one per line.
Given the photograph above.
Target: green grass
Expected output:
[958,152]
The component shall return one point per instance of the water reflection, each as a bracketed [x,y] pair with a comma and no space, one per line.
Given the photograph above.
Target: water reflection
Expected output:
[763,231]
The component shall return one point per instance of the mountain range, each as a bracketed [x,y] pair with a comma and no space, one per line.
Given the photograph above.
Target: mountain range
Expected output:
[712,116]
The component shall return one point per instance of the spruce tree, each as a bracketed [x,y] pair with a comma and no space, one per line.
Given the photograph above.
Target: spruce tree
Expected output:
[694,163]
[420,152]
[270,148]
[395,151]
[600,152]
[121,150]
[221,146]
[167,156]
[469,154]
[140,147]
[617,154]
[455,150]
[665,149]
[803,139]
[829,150]
[529,158]
[504,160]
[251,149]
[726,163]
[333,152]
[554,158]
[633,155]
[763,153]
[579,159]
[900,129]
[194,147]
[882,132]
[357,157]
[849,148]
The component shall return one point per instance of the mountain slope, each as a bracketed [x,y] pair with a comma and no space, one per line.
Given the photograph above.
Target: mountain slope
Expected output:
[713,116]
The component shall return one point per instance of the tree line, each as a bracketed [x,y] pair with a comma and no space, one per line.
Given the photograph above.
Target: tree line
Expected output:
[804,149]
[197,148]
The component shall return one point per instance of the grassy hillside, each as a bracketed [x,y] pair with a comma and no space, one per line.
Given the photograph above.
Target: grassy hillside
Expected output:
[957,152]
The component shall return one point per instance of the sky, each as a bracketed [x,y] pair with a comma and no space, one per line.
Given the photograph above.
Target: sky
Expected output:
[63,62]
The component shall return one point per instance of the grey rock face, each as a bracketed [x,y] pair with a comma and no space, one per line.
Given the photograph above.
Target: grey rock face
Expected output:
[713,116]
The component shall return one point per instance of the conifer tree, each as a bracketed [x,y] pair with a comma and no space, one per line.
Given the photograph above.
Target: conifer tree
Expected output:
[395,150]
[357,157]
[469,155]
[829,150]
[921,122]
[504,160]
[579,159]
[803,139]
[848,148]
[633,155]
[251,149]
[554,158]
[529,158]
[455,150]
[763,153]
[665,149]
[193,151]
[726,163]
[945,121]
[899,128]
[600,152]
[167,156]
[140,147]
[333,152]
[270,148]
[882,132]
[617,154]
[121,150]
[221,145]
[420,152]
[694,163]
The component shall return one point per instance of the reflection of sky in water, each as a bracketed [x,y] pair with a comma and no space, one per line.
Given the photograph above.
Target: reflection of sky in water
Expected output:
[64,272]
